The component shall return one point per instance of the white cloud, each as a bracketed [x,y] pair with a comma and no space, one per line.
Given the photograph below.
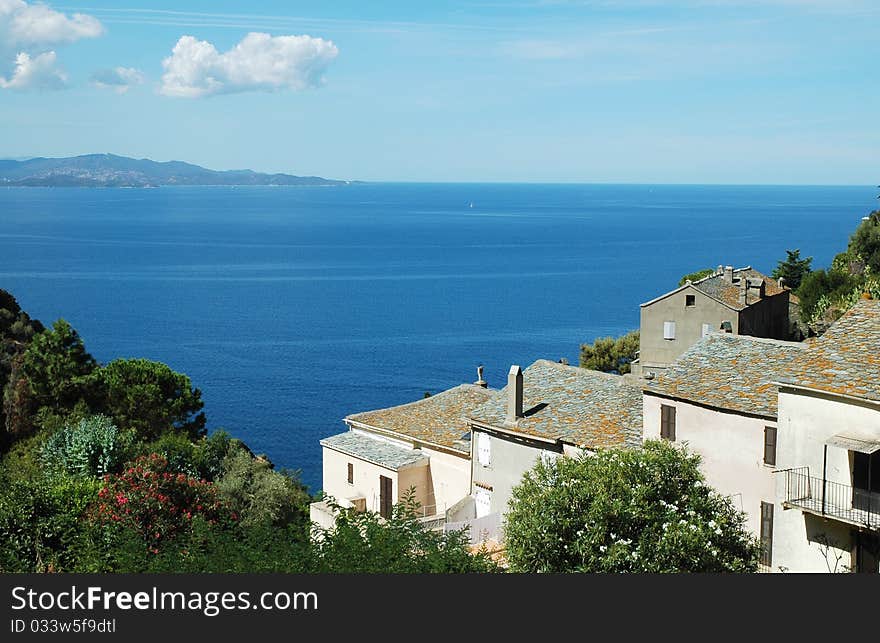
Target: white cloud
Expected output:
[26,26]
[259,62]
[119,79]
[39,72]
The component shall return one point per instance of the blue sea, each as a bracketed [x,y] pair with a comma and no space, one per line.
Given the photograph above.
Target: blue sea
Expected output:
[293,307]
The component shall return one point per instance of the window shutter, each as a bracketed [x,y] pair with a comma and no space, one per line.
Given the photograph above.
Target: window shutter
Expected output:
[484,449]
[770,445]
[548,457]
[767,533]
[669,330]
[667,422]
[483,502]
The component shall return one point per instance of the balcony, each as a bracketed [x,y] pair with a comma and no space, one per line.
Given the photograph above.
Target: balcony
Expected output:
[831,499]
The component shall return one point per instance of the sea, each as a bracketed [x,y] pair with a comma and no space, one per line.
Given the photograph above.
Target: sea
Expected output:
[292,307]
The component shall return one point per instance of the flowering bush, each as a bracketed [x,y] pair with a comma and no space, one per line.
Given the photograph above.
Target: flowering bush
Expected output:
[156,501]
[646,510]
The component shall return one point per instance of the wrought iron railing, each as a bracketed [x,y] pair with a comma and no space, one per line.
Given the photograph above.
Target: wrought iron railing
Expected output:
[832,499]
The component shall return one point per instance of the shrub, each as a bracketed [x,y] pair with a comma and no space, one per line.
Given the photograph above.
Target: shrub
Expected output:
[157,501]
[646,510]
[92,447]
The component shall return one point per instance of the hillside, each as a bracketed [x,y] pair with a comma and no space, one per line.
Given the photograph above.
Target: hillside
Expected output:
[109,170]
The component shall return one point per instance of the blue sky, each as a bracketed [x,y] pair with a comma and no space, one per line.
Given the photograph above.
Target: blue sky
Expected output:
[680,91]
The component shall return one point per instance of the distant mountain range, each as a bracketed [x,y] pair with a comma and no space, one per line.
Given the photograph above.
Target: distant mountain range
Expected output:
[109,170]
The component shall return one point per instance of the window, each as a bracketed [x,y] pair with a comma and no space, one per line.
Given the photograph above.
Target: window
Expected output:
[770,445]
[484,449]
[548,457]
[707,328]
[766,534]
[669,330]
[385,499]
[690,300]
[483,502]
[350,473]
[667,422]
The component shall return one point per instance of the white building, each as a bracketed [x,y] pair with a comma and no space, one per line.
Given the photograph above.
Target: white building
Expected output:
[423,446]
[547,411]
[720,399]
[829,451]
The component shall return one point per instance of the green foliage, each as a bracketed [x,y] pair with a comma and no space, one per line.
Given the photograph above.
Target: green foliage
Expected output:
[865,241]
[16,331]
[611,355]
[52,376]
[41,522]
[820,287]
[367,543]
[157,502]
[201,459]
[150,398]
[92,447]
[793,270]
[645,510]
[261,496]
[695,276]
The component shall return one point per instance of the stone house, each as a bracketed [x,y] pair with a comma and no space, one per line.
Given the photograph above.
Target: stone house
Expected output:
[741,302]
[828,488]
[423,445]
[719,398]
[546,411]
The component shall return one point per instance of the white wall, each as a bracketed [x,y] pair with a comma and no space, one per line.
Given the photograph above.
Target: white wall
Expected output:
[806,421]
[449,478]
[732,451]
[366,479]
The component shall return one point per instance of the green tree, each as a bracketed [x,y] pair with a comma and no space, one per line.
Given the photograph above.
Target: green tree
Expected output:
[821,286]
[865,242]
[609,354]
[695,276]
[52,378]
[365,543]
[645,510]
[793,269]
[149,398]
[260,495]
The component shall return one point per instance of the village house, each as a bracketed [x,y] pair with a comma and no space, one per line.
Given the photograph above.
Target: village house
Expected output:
[546,411]
[423,446]
[828,488]
[740,302]
[720,399]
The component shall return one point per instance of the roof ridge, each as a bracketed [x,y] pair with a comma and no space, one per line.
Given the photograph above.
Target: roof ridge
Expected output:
[424,400]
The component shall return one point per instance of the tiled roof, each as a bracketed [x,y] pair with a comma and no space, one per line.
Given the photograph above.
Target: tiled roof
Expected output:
[846,359]
[576,405]
[733,372]
[440,419]
[373,450]
[729,293]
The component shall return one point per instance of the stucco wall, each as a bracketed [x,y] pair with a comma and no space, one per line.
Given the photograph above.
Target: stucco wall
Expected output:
[509,461]
[732,451]
[448,479]
[366,479]
[806,421]
[654,351]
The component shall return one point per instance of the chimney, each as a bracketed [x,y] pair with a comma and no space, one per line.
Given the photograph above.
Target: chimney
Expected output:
[728,274]
[480,381]
[719,270]
[514,394]
[744,290]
